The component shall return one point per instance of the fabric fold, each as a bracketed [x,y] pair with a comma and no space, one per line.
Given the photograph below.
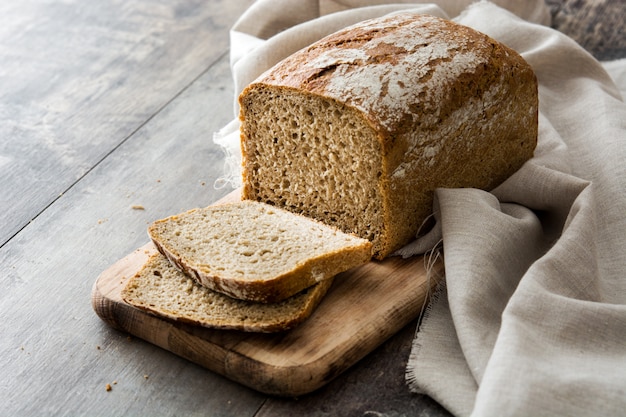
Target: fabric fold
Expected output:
[527,343]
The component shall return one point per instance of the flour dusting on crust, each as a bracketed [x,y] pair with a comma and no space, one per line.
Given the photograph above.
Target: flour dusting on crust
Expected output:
[391,48]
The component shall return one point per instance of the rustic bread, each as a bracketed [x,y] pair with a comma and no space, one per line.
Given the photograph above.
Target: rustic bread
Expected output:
[254,251]
[360,128]
[162,289]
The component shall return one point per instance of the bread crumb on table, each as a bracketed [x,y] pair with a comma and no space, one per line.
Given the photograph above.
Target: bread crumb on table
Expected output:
[108,387]
[137,207]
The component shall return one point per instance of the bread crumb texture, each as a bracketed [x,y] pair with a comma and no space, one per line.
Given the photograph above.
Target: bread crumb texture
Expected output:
[162,289]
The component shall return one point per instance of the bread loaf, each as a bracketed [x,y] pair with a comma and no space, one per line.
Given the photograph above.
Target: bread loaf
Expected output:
[165,291]
[359,129]
[253,251]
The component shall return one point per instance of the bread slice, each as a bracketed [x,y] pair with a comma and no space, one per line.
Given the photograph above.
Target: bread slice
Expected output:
[254,251]
[163,290]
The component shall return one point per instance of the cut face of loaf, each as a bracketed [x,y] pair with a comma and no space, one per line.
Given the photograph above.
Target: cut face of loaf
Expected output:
[163,290]
[360,128]
[256,252]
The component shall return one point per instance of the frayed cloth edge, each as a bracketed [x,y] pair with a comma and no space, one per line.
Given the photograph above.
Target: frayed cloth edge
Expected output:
[432,298]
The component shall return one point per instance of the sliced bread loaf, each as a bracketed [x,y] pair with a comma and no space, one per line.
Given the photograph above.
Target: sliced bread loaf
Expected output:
[163,290]
[254,251]
[360,128]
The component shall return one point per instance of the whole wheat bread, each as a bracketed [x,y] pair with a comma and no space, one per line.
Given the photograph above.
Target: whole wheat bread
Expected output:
[359,129]
[256,252]
[163,290]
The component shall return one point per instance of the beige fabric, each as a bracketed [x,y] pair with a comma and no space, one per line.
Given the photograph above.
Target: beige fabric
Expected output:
[532,319]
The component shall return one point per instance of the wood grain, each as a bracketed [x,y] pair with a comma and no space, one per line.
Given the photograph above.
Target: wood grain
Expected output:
[78,78]
[365,306]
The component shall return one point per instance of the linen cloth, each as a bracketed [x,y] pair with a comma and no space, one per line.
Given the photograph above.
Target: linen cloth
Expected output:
[531,320]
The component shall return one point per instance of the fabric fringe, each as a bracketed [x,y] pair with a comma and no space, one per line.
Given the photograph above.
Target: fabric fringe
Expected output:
[430,260]
[432,297]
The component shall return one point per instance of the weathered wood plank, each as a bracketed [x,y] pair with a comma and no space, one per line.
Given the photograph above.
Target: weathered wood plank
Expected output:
[78,78]
[374,387]
[56,355]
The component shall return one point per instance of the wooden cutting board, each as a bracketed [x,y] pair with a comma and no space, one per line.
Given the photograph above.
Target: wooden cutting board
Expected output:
[364,307]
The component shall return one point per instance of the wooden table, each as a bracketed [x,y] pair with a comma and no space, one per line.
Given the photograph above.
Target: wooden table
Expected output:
[107,112]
